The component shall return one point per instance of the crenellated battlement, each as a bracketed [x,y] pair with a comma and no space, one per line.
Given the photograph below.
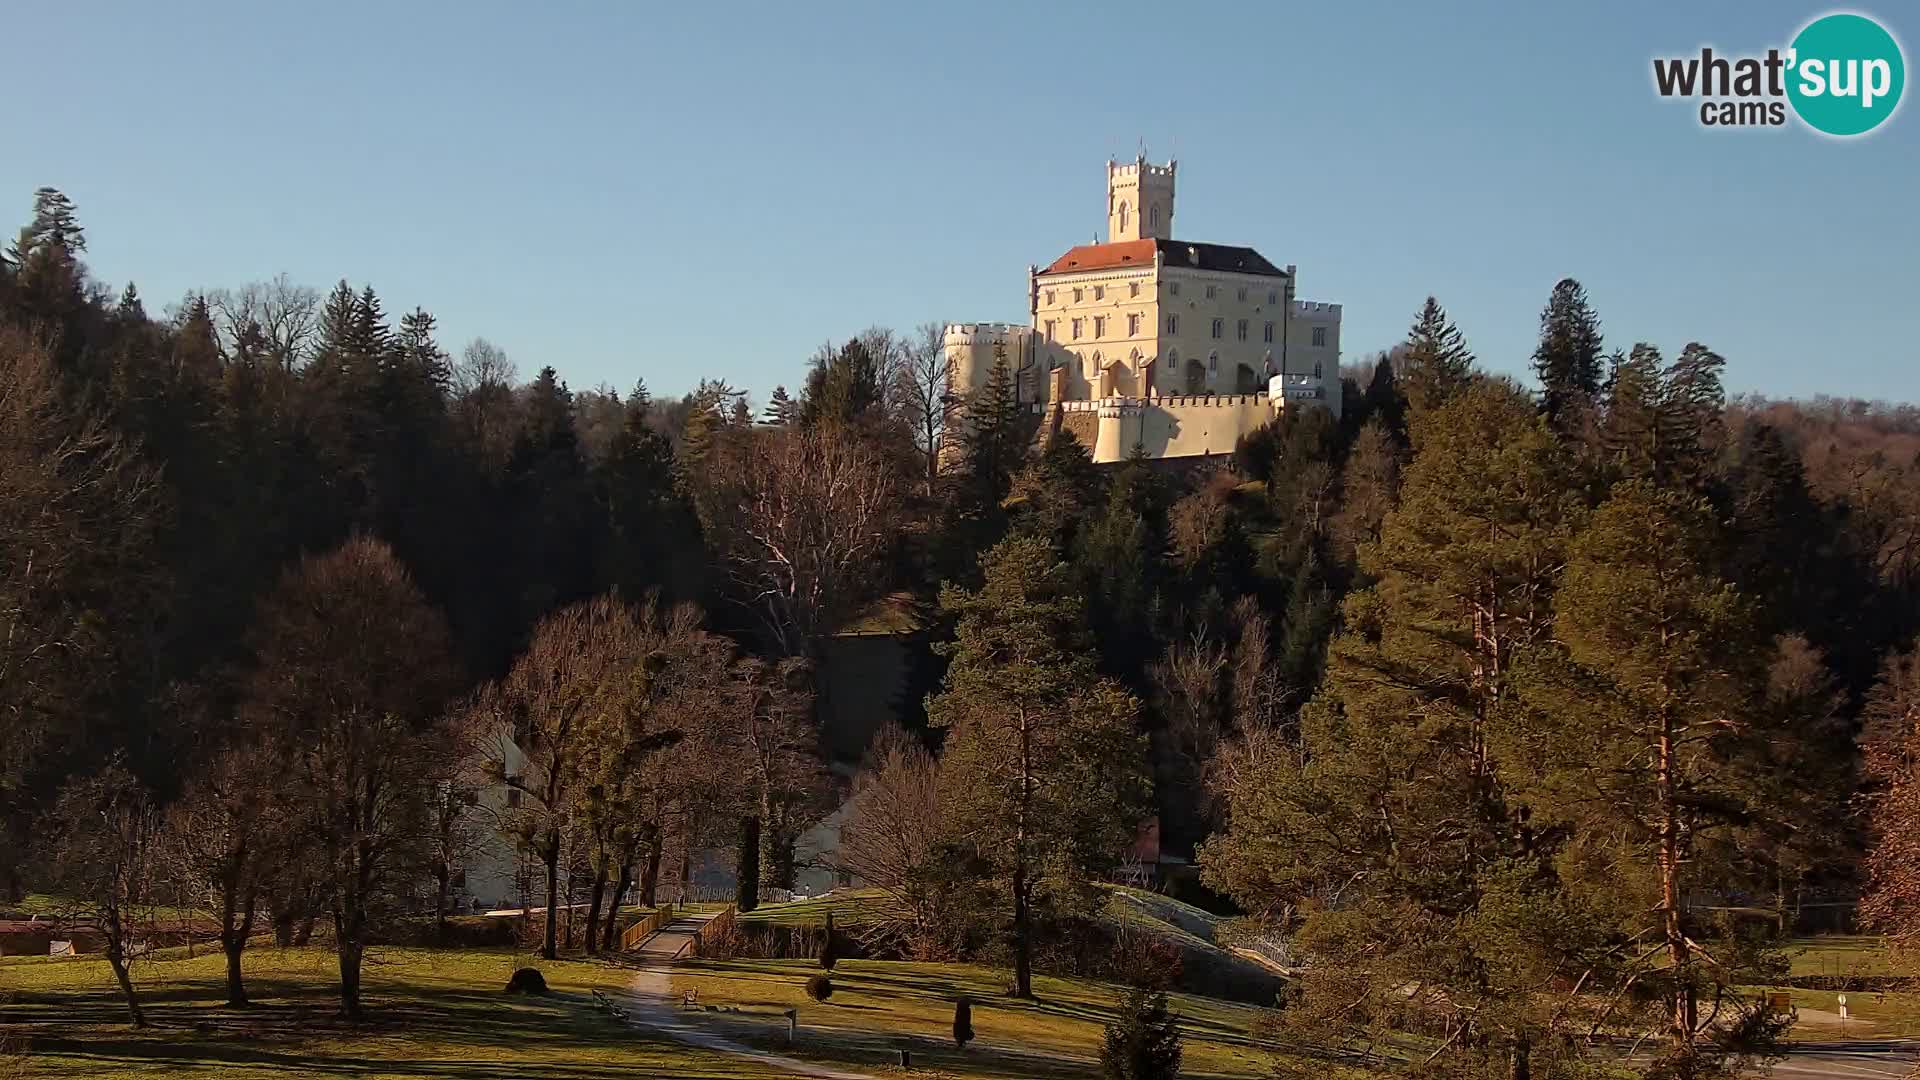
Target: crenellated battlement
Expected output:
[984,333]
[1315,307]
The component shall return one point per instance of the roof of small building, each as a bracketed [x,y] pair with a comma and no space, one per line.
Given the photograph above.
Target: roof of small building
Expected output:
[1187,253]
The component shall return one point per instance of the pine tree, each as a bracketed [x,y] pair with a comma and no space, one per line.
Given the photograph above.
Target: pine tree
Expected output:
[1435,362]
[1057,491]
[1567,360]
[1144,1043]
[1641,738]
[196,347]
[992,434]
[782,410]
[1663,423]
[1390,795]
[1042,763]
[843,387]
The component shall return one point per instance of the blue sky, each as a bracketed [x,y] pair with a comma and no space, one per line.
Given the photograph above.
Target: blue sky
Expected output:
[625,190]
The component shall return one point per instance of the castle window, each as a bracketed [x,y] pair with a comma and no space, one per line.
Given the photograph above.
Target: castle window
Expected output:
[1099,292]
[1077,295]
[1273,296]
[1076,329]
[1173,357]
[1133,325]
[1123,217]
[1210,292]
[1153,218]
[1240,331]
[1219,328]
[1242,297]
[1173,324]
[1319,335]
[1266,335]
[1133,288]
[1050,329]
[1316,369]
[1099,326]
[1173,287]
[1049,296]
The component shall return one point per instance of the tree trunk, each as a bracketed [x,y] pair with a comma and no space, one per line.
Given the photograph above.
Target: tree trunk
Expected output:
[650,875]
[442,881]
[1022,932]
[117,959]
[551,857]
[597,895]
[613,906]
[747,871]
[350,952]
[1678,954]
[233,940]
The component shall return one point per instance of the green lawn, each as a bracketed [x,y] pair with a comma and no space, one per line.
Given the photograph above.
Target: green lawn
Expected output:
[441,1014]
[878,1005]
[1870,1015]
[434,1014]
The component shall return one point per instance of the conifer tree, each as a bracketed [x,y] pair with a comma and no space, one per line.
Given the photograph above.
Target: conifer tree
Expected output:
[781,410]
[843,387]
[1042,766]
[1567,360]
[1434,362]
[1390,795]
[1144,1043]
[1057,491]
[992,434]
[1641,741]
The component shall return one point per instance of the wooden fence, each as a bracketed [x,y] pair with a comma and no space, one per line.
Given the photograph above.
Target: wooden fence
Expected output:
[641,930]
[714,928]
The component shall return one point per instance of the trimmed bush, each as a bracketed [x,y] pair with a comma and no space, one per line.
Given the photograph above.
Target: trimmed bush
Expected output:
[527,981]
[820,988]
[962,1022]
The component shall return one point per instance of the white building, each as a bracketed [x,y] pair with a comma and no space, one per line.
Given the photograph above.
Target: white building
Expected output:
[1179,347]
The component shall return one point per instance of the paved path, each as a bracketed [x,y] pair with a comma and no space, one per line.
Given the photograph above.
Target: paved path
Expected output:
[654,1008]
[1849,1059]
[671,942]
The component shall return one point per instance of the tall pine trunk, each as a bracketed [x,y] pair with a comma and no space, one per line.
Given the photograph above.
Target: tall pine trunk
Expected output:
[1022,888]
[1678,953]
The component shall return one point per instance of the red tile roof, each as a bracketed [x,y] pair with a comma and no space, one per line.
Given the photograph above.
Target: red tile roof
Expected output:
[1103,257]
[1188,253]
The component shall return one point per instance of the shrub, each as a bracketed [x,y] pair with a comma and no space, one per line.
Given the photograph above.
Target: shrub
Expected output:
[820,988]
[962,1023]
[527,981]
[1144,1043]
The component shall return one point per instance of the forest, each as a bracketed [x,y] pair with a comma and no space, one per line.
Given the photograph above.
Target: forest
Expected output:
[1525,711]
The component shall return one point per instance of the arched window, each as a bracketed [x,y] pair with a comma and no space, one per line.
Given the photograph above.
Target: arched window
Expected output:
[1123,216]
[1173,358]
[1153,218]
[1316,369]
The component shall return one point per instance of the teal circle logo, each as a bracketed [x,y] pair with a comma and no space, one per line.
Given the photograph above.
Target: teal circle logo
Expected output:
[1845,74]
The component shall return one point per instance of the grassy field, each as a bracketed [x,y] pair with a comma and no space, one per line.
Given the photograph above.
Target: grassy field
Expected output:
[878,1006]
[434,1015]
[1869,1015]
[441,1014]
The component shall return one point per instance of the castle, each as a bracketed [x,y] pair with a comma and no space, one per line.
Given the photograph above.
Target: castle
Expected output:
[1174,346]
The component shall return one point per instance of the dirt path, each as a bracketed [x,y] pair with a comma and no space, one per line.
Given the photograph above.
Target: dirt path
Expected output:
[655,1009]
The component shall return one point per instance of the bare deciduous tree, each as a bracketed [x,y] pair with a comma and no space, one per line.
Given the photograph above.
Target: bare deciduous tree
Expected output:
[76,513]
[574,681]
[288,316]
[352,670]
[894,837]
[923,393]
[801,517]
[99,850]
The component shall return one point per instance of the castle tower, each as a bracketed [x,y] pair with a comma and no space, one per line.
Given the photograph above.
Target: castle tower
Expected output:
[1139,200]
